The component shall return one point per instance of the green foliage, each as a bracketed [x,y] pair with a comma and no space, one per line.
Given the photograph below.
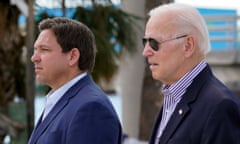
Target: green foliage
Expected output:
[114,32]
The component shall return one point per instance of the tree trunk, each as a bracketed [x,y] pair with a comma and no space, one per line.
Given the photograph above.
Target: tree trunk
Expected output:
[30,80]
[152,99]
[11,66]
[11,43]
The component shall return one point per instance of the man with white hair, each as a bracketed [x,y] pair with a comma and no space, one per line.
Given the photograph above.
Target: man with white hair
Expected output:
[197,107]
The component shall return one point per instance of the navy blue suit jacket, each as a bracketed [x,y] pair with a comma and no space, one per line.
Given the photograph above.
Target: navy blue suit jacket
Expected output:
[84,115]
[210,115]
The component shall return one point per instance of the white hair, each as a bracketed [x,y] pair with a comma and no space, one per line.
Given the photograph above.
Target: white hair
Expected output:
[189,20]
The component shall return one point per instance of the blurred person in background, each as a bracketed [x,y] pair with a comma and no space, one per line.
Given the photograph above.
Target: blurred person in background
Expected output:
[77,111]
[197,107]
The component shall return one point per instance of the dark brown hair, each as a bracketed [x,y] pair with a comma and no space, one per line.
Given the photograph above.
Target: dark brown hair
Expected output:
[73,34]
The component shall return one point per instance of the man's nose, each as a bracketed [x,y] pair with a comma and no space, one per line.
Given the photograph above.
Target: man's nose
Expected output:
[147,50]
[35,57]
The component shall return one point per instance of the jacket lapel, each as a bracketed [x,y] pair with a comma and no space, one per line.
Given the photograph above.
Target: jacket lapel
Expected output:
[155,128]
[46,122]
[35,129]
[177,117]
[39,130]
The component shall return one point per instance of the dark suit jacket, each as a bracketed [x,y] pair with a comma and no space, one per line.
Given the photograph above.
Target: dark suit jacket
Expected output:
[210,115]
[84,115]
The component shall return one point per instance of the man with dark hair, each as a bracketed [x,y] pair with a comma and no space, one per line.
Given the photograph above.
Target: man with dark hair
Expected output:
[77,111]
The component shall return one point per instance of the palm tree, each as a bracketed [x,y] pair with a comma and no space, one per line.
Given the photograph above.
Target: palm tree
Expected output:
[112,28]
[11,67]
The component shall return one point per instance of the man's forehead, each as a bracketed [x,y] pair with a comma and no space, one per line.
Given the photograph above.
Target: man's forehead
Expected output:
[45,38]
[46,35]
[158,27]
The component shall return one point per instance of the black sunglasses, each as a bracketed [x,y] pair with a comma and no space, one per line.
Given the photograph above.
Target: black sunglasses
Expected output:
[154,44]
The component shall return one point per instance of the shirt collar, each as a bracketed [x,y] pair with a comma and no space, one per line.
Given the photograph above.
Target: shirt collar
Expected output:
[178,88]
[53,96]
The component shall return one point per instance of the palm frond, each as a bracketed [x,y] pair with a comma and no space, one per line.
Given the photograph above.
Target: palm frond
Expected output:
[114,32]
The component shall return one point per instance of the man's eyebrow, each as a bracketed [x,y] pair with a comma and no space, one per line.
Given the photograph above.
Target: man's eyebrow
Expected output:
[41,47]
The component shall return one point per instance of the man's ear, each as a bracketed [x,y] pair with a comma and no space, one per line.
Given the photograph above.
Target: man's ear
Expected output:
[189,46]
[74,56]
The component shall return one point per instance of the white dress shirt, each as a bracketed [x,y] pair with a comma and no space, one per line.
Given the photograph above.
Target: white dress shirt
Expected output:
[54,96]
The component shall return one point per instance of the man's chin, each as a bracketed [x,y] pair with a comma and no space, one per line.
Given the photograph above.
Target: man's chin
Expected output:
[154,77]
[40,81]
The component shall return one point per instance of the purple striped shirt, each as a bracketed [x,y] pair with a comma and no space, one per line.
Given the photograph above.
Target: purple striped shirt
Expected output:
[173,94]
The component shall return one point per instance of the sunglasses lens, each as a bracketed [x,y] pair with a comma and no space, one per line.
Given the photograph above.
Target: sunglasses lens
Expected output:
[144,41]
[152,42]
